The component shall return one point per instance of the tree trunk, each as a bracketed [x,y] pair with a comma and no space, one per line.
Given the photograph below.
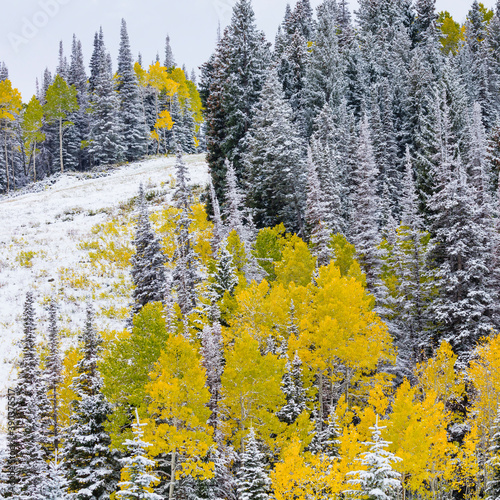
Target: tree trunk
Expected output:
[34,162]
[172,477]
[61,146]
[6,160]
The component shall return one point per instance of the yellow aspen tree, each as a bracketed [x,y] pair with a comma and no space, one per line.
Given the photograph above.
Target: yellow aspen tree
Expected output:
[417,432]
[178,411]
[341,337]
[251,392]
[31,126]
[10,106]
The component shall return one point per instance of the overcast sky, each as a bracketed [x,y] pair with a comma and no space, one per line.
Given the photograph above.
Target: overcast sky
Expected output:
[31,29]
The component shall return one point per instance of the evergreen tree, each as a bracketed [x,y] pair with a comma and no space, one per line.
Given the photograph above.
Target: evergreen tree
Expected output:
[133,126]
[274,162]
[223,278]
[293,389]
[148,270]
[460,253]
[316,216]
[105,133]
[53,374]
[236,79]
[26,466]
[326,437]
[55,486]
[185,271]
[378,480]
[252,481]
[169,55]
[91,466]
[137,466]
[364,231]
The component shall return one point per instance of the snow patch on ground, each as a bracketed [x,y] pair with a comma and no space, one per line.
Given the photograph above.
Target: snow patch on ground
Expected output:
[43,229]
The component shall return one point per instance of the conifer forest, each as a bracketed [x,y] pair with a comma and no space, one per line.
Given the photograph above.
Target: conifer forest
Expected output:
[276,277]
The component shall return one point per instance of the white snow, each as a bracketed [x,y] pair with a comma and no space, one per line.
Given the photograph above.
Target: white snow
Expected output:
[51,223]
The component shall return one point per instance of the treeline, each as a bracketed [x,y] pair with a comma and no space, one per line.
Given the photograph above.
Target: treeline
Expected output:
[78,121]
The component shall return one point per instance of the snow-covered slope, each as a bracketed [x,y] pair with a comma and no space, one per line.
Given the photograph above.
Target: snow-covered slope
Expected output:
[40,234]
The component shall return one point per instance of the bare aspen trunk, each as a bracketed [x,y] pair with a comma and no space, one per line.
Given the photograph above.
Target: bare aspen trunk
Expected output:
[34,162]
[61,146]
[172,477]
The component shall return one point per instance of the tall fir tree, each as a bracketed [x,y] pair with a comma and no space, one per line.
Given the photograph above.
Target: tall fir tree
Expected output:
[26,465]
[132,123]
[274,162]
[252,478]
[148,262]
[236,79]
[185,270]
[91,466]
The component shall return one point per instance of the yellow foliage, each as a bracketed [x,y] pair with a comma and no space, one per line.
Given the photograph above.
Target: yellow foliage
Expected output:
[485,374]
[66,393]
[438,375]
[251,391]
[417,432]
[297,264]
[10,101]
[178,408]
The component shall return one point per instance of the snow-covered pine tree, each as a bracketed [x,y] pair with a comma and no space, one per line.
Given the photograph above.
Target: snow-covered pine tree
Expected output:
[223,278]
[238,73]
[333,147]
[324,80]
[413,278]
[53,376]
[213,361]
[148,271]
[169,55]
[378,480]
[91,467]
[292,386]
[26,466]
[185,271]
[76,156]
[274,162]
[219,230]
[234,201]
[315,216]
[137,467]
[107,143]
[460,253]
[364,230]
[253,482]
[133,127]
[326,437]
[55,485]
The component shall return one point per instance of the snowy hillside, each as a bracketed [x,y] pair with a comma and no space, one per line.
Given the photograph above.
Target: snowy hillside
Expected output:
[40,236]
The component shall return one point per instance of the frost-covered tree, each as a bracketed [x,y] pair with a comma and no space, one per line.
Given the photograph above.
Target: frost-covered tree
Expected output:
[90,464]
[169,55]
[107,143]
[55,485]
[185,271]
[378,480]
[233,82]
[292,386]
[315,216]
[274,162]
[133,127]
[364,230]
[137,467]
[53,375]
[148,271]
[219,230]
[224,277]
[253,482]
[326,437]
[26,465]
